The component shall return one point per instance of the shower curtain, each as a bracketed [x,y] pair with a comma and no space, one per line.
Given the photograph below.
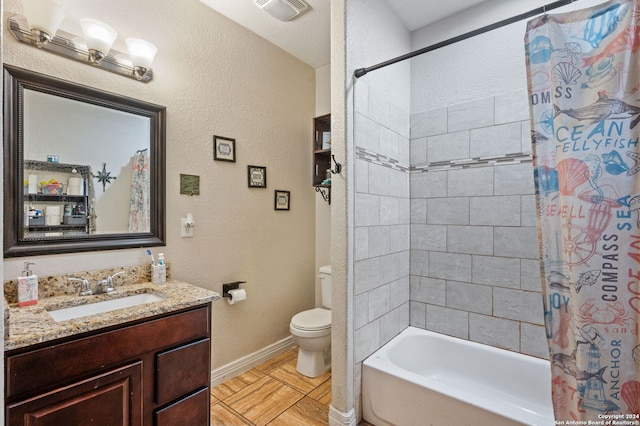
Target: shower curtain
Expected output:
[583,81]
[140,185]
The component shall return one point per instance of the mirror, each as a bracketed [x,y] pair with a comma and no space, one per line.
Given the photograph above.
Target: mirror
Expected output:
[84,169]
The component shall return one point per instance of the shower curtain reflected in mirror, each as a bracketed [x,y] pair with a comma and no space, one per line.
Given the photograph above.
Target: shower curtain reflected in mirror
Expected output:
[139,218]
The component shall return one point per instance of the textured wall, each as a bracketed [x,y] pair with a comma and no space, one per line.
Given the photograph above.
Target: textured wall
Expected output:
[482,66]
[214,77]
[379,189]
[323,209]
[2,325]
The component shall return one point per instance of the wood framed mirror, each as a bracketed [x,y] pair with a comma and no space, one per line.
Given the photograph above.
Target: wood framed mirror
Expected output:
[84,169]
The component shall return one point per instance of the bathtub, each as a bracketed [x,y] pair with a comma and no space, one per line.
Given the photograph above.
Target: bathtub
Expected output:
[425,378]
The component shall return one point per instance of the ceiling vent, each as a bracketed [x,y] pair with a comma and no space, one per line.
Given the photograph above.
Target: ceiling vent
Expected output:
[283,10]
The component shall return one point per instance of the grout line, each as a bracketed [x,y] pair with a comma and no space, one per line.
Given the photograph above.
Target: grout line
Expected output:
[273,369]
[238,414]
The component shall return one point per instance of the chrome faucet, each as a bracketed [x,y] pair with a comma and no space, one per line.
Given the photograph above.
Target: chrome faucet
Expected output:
[106,285]
[102,286]
[85,287]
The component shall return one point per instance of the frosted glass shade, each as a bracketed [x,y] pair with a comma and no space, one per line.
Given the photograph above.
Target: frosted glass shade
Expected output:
[43,15]
[141,52]
[98,35]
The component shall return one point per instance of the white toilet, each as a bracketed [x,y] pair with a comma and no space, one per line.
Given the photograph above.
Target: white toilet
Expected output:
[311,330]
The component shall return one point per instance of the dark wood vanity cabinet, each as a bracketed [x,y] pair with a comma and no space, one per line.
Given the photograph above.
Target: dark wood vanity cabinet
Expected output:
[154,372]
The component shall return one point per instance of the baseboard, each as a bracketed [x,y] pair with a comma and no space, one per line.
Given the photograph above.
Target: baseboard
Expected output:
[246,363]
[338,418]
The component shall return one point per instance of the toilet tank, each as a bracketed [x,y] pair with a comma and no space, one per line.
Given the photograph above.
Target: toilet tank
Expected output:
[325,283]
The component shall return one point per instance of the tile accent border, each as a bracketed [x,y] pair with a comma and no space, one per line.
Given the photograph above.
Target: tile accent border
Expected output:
[381,160]
[467,163]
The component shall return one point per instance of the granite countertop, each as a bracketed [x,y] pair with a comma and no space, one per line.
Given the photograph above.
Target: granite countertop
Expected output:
[33,324]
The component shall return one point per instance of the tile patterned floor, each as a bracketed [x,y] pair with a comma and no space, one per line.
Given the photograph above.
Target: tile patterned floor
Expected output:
[274,394]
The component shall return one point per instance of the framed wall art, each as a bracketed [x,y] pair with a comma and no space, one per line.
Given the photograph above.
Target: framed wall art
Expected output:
[257,176]
[224,149]
[189,184]
[282,200]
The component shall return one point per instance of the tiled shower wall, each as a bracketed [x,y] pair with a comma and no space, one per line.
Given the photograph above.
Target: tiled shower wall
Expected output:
[382,220]
[473,267]
[445,230]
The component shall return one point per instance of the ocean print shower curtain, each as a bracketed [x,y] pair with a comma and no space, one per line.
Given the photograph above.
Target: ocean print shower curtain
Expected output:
[139,203]
[583,72]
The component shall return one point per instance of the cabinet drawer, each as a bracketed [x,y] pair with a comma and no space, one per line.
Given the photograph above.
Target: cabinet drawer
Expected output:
[182,370]
[113,398]
[48,367]
[192,410]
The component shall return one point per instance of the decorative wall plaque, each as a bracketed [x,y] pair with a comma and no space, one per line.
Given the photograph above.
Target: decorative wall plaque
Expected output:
[189,184]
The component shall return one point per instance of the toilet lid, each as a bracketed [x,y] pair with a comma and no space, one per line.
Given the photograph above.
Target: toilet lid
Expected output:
[313,319]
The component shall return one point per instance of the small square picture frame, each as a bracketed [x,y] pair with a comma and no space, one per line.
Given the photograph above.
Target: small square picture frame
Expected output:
[224,149]
[189,184]
[256,177]
[282,200]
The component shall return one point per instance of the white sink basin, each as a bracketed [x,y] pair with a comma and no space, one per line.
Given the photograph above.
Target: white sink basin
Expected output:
[101,307]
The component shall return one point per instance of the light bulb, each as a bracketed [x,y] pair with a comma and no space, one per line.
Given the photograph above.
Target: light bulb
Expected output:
[99,38]
[142,54]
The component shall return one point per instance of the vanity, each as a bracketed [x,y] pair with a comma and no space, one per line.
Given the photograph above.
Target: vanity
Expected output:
[85,170]
[147,364]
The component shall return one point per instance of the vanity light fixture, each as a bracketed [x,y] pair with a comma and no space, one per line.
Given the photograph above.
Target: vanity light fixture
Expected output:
[39,27]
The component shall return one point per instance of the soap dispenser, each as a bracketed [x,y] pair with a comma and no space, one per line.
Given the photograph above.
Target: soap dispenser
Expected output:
[27,287]
[163,268]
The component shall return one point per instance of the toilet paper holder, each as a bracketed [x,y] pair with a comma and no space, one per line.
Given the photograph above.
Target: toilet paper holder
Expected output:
[230,286]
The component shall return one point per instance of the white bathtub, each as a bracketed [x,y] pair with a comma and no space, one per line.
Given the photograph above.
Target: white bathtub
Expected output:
[425,378]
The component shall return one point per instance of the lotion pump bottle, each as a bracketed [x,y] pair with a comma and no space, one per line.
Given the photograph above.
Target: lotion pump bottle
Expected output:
[163,268]
[159,271]
[27,287]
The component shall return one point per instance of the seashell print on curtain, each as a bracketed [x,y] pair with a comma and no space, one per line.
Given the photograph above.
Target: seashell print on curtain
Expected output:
[583,71]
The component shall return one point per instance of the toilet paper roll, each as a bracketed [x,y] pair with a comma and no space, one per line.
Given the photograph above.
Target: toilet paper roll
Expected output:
[237,295]
[74,186]
[33,184]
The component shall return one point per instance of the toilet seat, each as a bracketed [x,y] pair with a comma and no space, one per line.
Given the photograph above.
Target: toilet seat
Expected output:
[312,320]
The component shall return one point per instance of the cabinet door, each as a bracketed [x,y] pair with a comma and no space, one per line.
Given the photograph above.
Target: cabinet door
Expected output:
[112,398]
[192,410]
[182,370]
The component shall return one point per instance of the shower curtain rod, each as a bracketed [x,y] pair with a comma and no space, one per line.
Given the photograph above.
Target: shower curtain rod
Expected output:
[544,9]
